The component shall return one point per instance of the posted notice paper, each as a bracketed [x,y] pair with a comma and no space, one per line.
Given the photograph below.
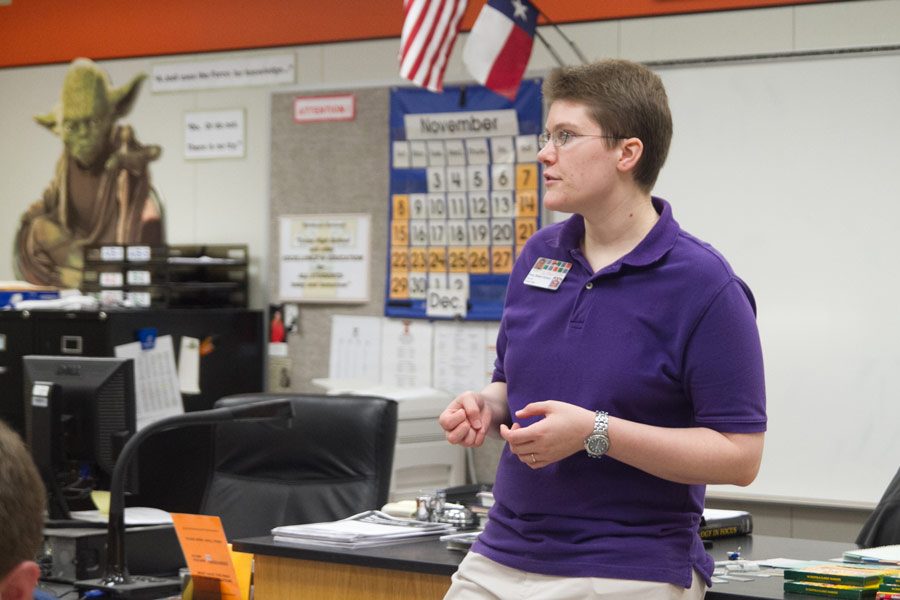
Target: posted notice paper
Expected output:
[406,353]
[324,258]
[156,383]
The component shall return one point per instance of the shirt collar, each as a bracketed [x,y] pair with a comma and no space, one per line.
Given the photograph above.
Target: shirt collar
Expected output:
[656,244]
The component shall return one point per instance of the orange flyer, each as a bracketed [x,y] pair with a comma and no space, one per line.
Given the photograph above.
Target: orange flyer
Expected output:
[206,551]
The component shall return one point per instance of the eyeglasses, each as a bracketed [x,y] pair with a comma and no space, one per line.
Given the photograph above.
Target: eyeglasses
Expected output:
[559,138]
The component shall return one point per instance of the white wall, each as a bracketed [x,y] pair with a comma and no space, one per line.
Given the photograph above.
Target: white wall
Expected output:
[226,201]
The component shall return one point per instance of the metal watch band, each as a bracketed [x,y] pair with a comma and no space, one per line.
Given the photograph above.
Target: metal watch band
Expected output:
[601,422]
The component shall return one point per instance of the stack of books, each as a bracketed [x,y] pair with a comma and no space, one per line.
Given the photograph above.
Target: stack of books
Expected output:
[889,588]
[837,580]
[370,528]
[484,500]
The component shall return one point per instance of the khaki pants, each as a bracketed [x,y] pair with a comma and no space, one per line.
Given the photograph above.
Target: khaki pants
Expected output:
[479,578]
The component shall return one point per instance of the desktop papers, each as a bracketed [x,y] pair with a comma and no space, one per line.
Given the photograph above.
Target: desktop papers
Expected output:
[369,528]
[134,515]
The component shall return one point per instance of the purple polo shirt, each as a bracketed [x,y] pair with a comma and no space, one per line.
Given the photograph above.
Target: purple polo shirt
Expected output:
[665,336]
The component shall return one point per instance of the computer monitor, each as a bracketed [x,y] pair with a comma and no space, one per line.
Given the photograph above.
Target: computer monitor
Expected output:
[79,411]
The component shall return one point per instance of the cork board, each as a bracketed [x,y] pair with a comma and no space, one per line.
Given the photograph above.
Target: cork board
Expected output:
[329,167]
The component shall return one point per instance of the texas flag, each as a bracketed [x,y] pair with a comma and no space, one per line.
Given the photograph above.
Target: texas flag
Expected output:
[499,45]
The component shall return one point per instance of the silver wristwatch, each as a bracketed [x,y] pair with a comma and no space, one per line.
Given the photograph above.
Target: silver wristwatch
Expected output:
[597,444]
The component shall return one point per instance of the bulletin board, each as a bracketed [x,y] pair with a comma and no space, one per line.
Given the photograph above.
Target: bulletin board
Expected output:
[320,168]
[345,166]
[464,198]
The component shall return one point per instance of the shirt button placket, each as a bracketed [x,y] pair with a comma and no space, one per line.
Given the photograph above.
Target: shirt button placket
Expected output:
[580,309]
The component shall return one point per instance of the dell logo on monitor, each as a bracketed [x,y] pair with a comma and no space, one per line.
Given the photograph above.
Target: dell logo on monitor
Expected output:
[73,370]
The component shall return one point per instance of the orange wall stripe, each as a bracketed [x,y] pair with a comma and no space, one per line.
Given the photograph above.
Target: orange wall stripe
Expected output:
[34,32]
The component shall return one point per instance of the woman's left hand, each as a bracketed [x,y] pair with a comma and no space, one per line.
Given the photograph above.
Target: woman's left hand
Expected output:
[560,433]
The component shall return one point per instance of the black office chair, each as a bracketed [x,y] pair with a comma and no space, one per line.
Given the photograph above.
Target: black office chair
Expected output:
[882,528]
[334,461]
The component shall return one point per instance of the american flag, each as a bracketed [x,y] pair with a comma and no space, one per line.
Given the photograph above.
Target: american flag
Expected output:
[430,28]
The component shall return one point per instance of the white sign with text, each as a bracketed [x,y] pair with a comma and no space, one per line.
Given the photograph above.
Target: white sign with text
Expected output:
[325,258]
[214,134]
[459,125]
[264,70]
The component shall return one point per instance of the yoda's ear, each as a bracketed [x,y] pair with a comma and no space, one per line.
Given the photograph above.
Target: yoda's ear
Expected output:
[48,120]
[122,98]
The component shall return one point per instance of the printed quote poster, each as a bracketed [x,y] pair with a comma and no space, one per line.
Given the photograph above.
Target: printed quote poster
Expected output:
[324,258]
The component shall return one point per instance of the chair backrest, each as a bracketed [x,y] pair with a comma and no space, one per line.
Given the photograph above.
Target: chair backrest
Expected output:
[334,461]
[882,528]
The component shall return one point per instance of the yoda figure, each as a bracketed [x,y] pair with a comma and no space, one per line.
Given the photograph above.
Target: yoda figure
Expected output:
[101,192]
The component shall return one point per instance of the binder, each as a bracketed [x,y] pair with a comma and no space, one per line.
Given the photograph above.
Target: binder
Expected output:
[716,523]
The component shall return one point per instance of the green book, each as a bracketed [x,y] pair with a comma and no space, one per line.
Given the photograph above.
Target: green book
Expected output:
[835,573]
[833,590]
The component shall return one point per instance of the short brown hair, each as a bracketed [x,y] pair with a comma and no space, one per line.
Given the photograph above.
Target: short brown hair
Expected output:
[22,500]
[627,100]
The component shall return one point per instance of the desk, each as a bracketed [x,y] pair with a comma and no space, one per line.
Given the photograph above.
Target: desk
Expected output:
[421,570]
[416,570]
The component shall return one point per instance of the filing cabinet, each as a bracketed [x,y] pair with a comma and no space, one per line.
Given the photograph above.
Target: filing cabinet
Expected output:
[232,361]
[234,336]
[16,340]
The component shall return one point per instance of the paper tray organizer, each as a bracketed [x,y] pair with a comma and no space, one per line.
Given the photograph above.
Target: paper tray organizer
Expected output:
[174,276]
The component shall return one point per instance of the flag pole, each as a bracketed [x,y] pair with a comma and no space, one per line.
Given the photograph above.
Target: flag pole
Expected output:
[575,48]
[548,47]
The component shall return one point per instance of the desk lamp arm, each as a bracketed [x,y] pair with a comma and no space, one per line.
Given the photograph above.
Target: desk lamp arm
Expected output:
[116,567]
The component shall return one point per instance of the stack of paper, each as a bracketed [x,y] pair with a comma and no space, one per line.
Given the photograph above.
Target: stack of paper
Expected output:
[885,555]
[134,515]
[370,528]
[460,541]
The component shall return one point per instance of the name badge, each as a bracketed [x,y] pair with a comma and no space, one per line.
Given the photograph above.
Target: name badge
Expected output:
[547,273]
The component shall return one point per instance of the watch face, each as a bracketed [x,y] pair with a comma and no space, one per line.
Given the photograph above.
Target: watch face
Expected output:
[597,445]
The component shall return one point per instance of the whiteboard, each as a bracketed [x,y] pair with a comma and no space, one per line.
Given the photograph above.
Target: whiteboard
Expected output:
[791,168]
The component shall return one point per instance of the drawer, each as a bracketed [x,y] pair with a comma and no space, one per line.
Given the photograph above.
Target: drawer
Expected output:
[420,430]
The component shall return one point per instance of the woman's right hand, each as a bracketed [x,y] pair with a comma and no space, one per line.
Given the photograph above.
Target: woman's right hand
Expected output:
[466,420]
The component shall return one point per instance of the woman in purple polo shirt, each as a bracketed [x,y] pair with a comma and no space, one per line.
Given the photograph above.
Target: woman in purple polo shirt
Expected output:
[629,373]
